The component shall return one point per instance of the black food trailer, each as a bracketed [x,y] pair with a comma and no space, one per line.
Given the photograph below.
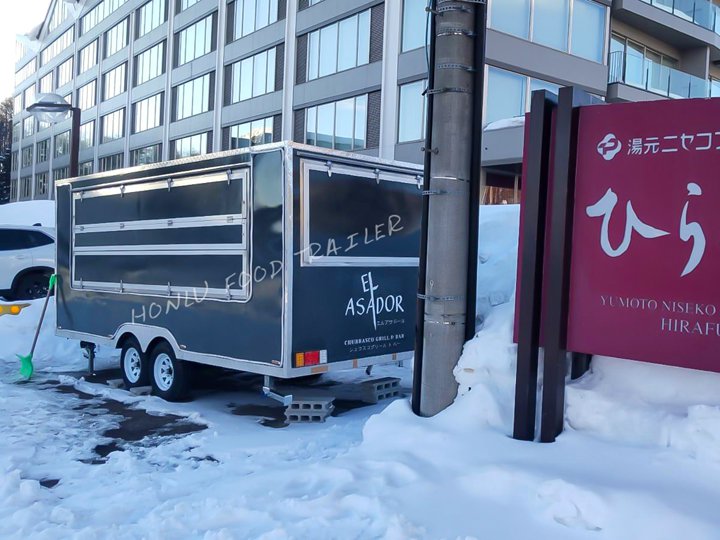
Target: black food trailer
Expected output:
[283,260]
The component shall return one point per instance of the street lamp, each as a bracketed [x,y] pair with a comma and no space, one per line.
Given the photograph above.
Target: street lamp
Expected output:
[52,108]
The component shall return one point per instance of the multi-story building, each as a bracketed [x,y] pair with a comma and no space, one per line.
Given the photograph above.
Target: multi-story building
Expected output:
[165,79]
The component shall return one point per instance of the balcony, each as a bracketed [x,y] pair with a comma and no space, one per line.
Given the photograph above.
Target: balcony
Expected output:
[701,12]
[644,74]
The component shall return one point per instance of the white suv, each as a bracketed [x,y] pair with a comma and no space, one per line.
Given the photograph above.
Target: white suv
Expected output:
[27,260]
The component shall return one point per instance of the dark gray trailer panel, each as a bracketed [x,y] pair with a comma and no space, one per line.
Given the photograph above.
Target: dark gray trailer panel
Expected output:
[203,253]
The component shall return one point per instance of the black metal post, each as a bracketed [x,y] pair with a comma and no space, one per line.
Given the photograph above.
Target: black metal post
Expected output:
[580,365]
[422,269]
[535,188]
[555,309]
[476,168]
[74,142]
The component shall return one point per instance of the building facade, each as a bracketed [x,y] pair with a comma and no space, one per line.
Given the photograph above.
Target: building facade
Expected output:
[164,79]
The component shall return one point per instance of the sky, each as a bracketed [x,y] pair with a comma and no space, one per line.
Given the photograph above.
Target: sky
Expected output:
[19,17]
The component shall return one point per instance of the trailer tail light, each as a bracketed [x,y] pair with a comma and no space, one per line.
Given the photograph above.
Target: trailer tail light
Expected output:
[310,358]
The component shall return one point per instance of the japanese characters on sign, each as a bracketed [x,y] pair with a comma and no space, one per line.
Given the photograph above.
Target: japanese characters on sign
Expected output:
[646,233]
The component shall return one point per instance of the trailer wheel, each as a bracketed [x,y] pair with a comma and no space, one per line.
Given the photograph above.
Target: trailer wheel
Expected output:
[169,375]
[133,365]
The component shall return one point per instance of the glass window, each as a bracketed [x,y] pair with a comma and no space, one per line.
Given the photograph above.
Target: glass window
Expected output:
[16,131]
[29,96]
[97,14]
[109,163]
[147,113]
[116,38]
[27,156]
[14,161]
[61,173]
[57,46]
[511,17]
[339,46]
[505,95]
[150,64]
[65,72]
[182,5]
[635,64]
[588,34]
[28,126]
[25,187]
[88,56]
[193,145]
[414,24]
[252,15]
[87,135]
[192,97]
[59,14]
[146,155]
[46,84]
[714,88]
[41,184]
[115,82]
[340,124]
[13,190]
[249,134]
[85,168]
[252,76]
[550,23]
[42,151]
[195,41]
[17,103]
[87,95]
[62,143]
[112,126]
[25,71]
[411,118]
[538,84]
[150,16]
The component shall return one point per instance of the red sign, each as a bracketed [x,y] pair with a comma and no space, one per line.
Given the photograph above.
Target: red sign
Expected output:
[645,273]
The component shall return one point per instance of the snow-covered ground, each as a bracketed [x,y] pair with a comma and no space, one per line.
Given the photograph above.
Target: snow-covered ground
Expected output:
[639,458]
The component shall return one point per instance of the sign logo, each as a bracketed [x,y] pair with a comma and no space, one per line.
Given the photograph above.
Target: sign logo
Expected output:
[609,147]
[373,304]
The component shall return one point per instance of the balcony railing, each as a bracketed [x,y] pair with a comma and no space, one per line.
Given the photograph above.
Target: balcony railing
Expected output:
[701,12]
[643,73]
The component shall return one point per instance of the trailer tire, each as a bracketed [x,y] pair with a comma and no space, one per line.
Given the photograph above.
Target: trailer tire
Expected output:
[133,364]
[168,374]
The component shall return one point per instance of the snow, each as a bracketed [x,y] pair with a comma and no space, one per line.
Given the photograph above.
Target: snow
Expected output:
[639,458]
[505,123]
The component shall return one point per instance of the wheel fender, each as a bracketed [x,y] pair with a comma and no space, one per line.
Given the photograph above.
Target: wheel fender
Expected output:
[145,335]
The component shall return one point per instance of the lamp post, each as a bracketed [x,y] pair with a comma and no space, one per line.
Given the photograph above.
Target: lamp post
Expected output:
[53,108]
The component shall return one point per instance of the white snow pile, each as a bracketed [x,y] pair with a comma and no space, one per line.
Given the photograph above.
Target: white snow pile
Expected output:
[28,213]
[639,458]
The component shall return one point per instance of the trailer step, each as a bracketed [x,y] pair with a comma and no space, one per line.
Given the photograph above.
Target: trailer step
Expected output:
[379,389]
[310,410]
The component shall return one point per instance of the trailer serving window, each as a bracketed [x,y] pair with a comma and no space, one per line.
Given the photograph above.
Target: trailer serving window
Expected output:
[165,236]
[359,217]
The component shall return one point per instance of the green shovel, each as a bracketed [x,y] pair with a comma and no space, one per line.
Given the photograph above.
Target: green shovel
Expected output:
[26,365]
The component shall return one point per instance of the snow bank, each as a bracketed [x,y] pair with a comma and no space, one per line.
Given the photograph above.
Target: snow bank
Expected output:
[28,213]
[618,400]
[52,353]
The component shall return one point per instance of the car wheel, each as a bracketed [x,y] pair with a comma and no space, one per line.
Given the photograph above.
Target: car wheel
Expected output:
[169,375]
[134,365]
[31,286]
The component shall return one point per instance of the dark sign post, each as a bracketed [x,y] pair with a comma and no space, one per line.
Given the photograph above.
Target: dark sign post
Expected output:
[634,243]
[536,166]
